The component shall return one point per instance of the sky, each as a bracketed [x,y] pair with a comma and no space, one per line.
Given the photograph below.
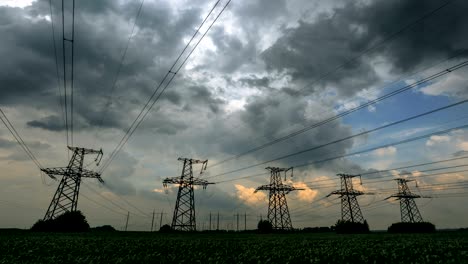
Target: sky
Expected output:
[265,69]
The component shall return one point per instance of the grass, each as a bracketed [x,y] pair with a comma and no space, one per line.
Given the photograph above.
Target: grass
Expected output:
[139,247]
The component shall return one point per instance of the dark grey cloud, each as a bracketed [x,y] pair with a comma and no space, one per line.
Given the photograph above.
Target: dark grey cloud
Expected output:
[4,143]
[101,33]
[460,153]
[312,49]
[118,177]
[265,119]
[254,81]
[201,95]
[52,122]
[170,127]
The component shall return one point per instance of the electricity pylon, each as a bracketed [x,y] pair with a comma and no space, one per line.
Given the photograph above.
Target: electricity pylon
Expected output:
[278,212]
[66,196]
[350,210]
[184,212]
[408,208]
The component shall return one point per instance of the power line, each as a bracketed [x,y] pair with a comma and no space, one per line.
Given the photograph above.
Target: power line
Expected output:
[355,100]
[56,61]
[104,206]
[389,37]
[427,175]
[148,106]
[379,180]
[396,168]
[72,68]
[116,204]
[137,122]
[345,138]
[372,205]
[357,152]
[18,138]
[64,73]
[349,111]
[380,43]
[119,68]
[68,123]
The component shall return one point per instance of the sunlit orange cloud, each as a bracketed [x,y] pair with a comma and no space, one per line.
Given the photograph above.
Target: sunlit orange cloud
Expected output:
[463,145]
[385,151]
[248,196]
[158,190]
[450,177]
[358,186]
[307,195]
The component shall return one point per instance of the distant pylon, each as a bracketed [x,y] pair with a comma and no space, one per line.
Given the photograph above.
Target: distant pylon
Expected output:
[350,210]
[66,196]
[184,212]
[408,208]
[278,212]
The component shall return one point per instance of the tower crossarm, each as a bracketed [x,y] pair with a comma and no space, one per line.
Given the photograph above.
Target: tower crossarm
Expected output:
[400,196]
[174,180]
[194,181]
[344,192]
[65,171]
[53,172]
[281,188]
[91,174]
[86,150]
[196,161]
[204,183]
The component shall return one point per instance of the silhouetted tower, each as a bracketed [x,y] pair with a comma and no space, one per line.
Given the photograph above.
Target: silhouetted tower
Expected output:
[408,208]
[66,196]
[350,210]
[278,212]
[184,212]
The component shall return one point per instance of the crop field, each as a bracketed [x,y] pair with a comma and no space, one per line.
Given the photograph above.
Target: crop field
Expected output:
[135,247]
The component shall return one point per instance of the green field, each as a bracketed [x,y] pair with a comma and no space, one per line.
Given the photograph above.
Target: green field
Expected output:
[136,247]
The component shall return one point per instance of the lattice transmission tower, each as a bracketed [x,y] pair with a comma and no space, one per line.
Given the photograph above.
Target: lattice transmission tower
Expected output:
[408,208]
[66,196]
[184,212]
[350,210]
[278,212]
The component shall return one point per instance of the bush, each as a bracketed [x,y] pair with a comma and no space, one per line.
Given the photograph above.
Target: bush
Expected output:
[104,228]
[165,229]
[421,227]
[321,229]
[67,222]
[348,227]
[264,226]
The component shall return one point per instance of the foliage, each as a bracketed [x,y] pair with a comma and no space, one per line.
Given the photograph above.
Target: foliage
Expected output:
[151,247]
[264,226]
[421,227]
[320,229]
[67,222]
[104,228]
[348,227]
[165,229]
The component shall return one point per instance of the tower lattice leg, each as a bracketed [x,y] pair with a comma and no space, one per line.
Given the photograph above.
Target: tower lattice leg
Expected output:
[65,198]
[184,212]
[409,211]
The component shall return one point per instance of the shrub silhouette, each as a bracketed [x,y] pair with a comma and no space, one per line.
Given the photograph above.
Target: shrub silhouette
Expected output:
[421,227]
[165,229]
[264,226]
[67,222]
[104,228]
[348,227]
